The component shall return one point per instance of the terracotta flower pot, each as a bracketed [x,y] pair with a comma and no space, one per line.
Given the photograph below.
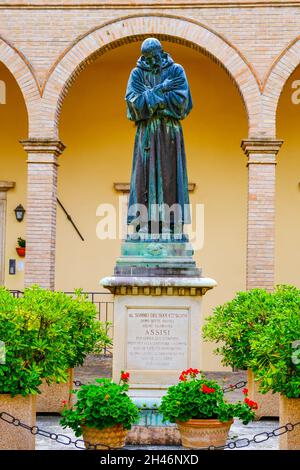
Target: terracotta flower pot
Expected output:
[268,403]
[21,251]
[113,436]
[197,433]
[52,396]
[289,413]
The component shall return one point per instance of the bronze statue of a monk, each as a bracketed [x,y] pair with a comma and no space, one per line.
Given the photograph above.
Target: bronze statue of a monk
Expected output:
[158,97]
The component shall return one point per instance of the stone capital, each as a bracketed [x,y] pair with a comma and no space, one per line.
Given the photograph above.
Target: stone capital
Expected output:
[158,286]
[261,151]
[6,185]
[43,147]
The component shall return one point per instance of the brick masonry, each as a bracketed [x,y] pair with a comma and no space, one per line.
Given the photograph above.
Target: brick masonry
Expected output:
[46,44]
[41,211]
[261,211]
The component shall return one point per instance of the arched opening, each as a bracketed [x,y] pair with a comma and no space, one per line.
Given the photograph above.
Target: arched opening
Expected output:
[288,184]
[13,127]
[99,142]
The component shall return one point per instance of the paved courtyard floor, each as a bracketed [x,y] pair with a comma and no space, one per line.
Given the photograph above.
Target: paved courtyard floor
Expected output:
[94,368]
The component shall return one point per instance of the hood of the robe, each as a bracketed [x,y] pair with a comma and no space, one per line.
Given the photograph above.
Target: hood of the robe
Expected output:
[166,62]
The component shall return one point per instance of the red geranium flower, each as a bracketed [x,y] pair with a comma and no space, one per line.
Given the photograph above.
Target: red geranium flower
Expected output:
[182,377]
[64,402]
[245,391]
[125,376]
[206,389]
[252,404]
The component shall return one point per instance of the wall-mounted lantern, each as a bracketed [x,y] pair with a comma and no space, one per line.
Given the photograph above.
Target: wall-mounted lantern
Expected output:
[20,212]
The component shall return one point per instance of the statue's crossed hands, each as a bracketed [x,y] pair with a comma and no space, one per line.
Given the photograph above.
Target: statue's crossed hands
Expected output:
[170,84]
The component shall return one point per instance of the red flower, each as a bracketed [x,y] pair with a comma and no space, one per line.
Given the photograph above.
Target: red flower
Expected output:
[125,376]
[245,391]
[183,377]
[206,389]
[192,372]
[64,402]
[252,404]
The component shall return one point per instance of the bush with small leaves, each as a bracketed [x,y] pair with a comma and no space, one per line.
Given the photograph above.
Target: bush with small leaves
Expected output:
[236,322]
[275,350]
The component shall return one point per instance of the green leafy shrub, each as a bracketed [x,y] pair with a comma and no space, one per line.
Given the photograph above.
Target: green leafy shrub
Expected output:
[45,333]
[73,322]
[100,406]
[25,358]
[196,397]
[276,349]
[236,322]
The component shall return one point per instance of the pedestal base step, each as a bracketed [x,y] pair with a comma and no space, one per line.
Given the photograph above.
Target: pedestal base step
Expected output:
[162,258]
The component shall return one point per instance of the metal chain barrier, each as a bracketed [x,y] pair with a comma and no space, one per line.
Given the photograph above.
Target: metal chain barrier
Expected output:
[257,438]
[60,438]
[85,445]
[229,388]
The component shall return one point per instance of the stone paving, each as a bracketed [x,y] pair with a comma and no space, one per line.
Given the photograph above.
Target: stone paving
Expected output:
[94,368]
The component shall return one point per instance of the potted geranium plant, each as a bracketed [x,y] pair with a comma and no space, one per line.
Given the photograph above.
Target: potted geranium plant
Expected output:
[102,414]
[198,407]
[275,360]
[233,325]
[21,247]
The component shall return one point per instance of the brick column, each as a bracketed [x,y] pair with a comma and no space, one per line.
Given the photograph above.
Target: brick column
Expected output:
[261,211]
[41,211]
[4,187]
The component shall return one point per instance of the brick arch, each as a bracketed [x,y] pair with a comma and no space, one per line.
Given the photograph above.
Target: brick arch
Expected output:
[135,28]
[279,73]
[21,70]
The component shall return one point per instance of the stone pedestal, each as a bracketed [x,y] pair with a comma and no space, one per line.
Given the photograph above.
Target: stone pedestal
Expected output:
[157,330]
[158,292]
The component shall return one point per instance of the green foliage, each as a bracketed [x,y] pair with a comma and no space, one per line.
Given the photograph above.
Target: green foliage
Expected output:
[199,398]
[21,372]
[276,349]
[100,406]
[235,323]
[21,242]
[45,333]
[73,322]
[260,330]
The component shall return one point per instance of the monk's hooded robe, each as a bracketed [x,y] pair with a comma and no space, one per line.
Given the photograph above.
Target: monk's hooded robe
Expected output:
[159,174]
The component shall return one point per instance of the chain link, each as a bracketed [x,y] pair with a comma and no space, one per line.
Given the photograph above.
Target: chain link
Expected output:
[238,385]
[81,444]
[78,383]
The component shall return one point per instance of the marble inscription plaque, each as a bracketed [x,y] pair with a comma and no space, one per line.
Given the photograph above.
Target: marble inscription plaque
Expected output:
[157,339]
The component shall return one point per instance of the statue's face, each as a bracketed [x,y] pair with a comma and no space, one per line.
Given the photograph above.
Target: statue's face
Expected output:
[154,58]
